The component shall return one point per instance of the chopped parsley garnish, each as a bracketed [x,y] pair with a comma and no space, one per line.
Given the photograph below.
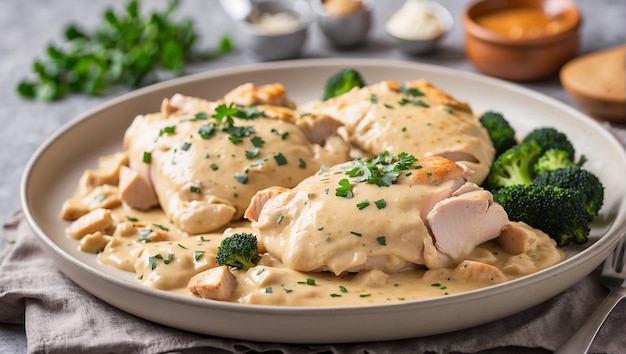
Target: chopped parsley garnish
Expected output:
[131,218]
[257,141]
[411,91]
[241,178]
[335,295]
[181,246]
[283,135]
[194,189]
[343,289]
[382,170]
[381,203]
[206,131]
[147,157]
[280,159]
[309,281]
[198,255]
[381,240]
[161,227]
[279,218]
[185,146]
[268,290]
[214,167]
[201,116]
[301,163]
[356,233]
[362,205]
[152,262]
[259,162]
[250,154]
[345,189]
[365,295]
[167,130]
[373,98]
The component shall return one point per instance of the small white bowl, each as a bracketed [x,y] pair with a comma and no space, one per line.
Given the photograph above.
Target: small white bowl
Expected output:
[268,45]
[345,31]
[418,46]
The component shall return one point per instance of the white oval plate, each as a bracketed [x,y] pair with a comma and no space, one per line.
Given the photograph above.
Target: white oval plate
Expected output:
[54,170]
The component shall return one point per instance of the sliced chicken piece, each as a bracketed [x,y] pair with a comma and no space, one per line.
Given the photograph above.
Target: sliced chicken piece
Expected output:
[135,190]
[318,127]
[215,283]
[480,272]
[514,238]
[462,222]
[107,173]
[97,220]
[259,200]
[250,95]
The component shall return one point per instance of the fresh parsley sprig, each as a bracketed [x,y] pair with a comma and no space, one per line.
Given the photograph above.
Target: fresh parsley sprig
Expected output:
[125,49]
[382,170]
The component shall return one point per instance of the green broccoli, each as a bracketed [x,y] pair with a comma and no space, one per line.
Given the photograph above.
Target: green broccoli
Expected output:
[559,212]
[577,178]
[342,82]
[238,250]
[501,133]
[551,160]
[550,138]
[514,166]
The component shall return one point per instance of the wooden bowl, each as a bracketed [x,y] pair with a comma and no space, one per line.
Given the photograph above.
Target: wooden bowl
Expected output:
[597,83]
[512,46]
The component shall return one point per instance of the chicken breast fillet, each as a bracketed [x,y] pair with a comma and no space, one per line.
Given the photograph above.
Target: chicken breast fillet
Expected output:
[415,118]
[206,159]
[333,222]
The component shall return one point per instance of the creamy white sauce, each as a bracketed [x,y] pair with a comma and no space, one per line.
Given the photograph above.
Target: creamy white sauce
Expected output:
[161,255]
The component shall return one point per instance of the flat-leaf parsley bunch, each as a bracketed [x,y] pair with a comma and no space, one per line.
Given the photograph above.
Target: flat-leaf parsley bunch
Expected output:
[125,49]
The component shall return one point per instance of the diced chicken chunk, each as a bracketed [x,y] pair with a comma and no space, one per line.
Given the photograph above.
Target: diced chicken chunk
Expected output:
[215,283]
[136,191]
[95,242]
[514,239]
[480,272]
[94,221]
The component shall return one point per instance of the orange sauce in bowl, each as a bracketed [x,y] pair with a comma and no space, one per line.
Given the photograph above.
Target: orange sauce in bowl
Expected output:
[522,23]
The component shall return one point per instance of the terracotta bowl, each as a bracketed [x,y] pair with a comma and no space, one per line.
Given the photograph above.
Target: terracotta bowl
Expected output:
[525,58]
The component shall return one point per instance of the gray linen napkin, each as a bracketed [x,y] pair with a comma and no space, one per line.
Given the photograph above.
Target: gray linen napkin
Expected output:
[60,317]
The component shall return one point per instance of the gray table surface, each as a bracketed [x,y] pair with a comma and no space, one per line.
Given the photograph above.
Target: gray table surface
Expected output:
[29,25]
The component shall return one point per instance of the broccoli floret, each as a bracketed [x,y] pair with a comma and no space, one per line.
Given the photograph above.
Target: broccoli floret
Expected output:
[238,250]
[514,166]
[550,138]
[559,212]
[577,178]
[553,159]
[501,133]
[342,82]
